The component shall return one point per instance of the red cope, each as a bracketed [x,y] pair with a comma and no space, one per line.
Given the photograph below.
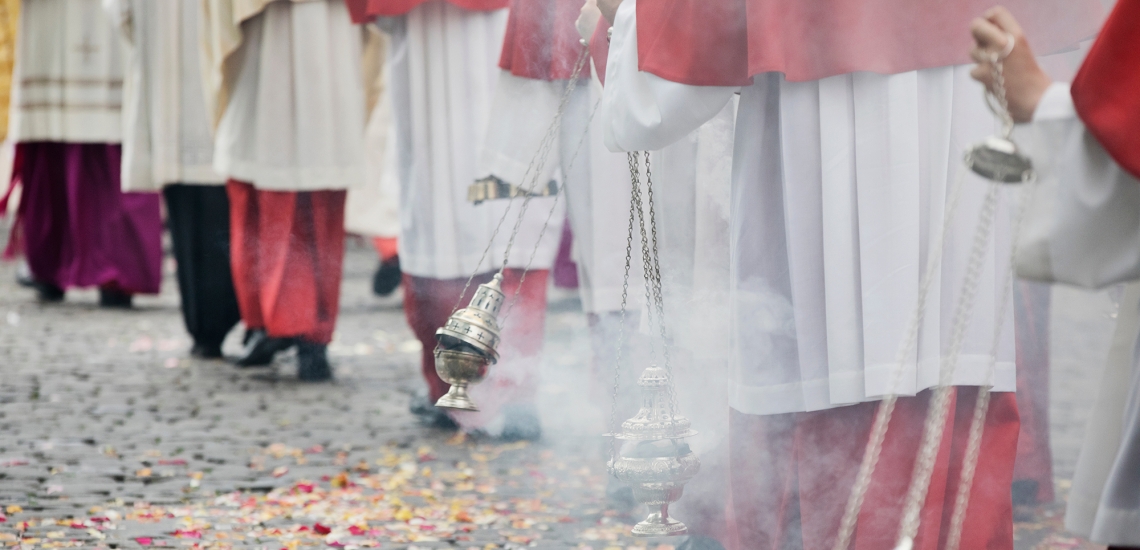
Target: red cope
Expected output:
[1106,91]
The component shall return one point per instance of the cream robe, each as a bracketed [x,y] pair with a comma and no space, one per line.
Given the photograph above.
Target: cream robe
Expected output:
[294,120]
[829,240]
[68,80]
[373,207]
[444,69]
[1083,228]
[167,137]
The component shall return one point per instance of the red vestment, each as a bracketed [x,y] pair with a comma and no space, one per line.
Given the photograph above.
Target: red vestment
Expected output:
[1106,91]
[725,43]
[288,253]
[802,466]
[541,41]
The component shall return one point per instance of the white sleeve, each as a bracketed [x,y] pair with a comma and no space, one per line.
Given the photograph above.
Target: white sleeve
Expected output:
[1083,226]
[641,111]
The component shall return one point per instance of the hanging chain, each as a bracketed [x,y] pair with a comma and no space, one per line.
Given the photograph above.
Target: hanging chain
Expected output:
[619,362]
[539,161]
[536,164]
[940,402]
[982,405]
[887,405]
[659,301]
[549,215]
[940,405]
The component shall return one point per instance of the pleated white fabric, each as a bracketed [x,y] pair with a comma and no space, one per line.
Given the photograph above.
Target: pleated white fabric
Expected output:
[839,187]
[68,79]
[595,181]
[444,70]
[295,119]
[166,131]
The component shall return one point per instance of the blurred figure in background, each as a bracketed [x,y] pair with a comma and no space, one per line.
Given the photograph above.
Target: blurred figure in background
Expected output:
[373,208]
[167,146]
[1083,228]
[287,101]
[74,224]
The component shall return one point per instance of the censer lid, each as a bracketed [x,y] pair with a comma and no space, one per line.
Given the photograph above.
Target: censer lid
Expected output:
[477,324]
[655,420]
[999,159]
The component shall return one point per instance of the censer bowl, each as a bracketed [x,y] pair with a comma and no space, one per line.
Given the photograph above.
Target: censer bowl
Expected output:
[459,368]
[657,482]
[998,159]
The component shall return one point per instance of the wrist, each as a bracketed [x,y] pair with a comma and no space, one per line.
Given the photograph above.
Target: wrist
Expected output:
[1033,94]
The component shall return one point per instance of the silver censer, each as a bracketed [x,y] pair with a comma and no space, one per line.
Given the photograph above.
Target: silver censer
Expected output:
[997,158]
[653,459]
[467,345]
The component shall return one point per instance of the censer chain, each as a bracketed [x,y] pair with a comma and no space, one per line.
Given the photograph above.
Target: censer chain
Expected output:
[534,171]
[553,208]
[619,360]
[940,403]
[659,300]
[887,405]
[981,406]
[539,160]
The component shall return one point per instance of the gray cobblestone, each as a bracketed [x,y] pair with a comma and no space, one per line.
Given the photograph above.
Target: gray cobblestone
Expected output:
[101,407]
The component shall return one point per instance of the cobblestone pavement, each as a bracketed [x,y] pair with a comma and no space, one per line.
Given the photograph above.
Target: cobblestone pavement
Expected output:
[111,437]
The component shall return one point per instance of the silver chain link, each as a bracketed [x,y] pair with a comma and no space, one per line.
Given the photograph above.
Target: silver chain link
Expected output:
[619,363]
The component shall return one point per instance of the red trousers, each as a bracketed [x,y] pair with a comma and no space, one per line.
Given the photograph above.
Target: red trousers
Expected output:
[792,474]
[288,252]
[514,379]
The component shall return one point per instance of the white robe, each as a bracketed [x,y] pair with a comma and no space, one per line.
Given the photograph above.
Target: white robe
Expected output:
[68,81]
[595,181]
[166,130]
[295,117]
[444,69]
[373,207]
[829,240]
[1084,229]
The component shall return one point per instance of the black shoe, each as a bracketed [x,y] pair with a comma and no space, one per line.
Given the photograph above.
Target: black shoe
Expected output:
[429,414]
[47,292]
[521,423]
[110,297]
[313,362]
[1024,492]
[387,277]
[260,349]
[206,351]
